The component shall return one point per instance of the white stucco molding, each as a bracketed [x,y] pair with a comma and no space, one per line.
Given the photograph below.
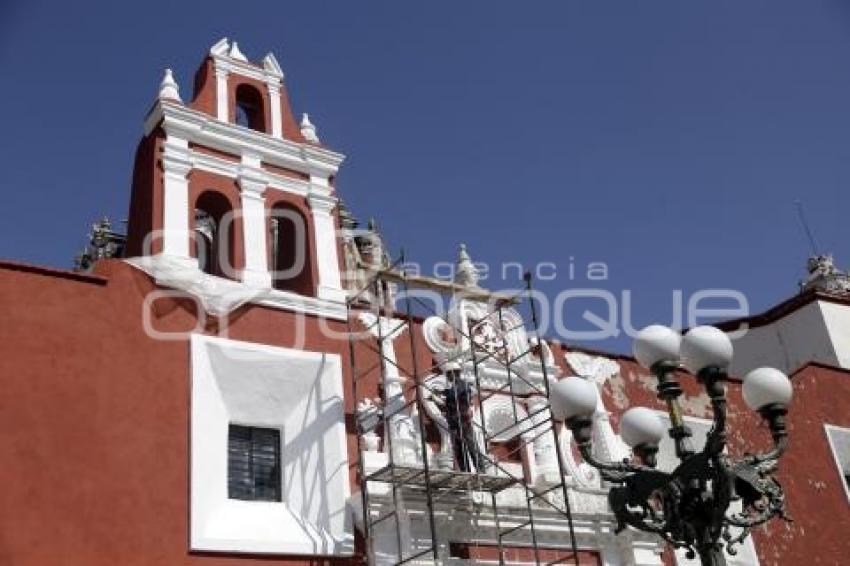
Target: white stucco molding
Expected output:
[220,296]
[168,88]
[201,128]
[224,59]
[176,165]
[271,66]
[593,524]
[327,258]
[233,169]
[222,111]
[252,182]
[297,392]
[250,175]
[274,108]
[320,203]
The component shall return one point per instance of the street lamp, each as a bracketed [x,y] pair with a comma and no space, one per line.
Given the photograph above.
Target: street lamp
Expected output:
[688,507]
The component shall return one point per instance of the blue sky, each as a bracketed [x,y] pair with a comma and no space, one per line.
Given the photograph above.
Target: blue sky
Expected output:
[666,139]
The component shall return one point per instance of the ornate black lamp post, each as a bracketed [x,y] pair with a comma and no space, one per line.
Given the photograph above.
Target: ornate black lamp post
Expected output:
[688,507]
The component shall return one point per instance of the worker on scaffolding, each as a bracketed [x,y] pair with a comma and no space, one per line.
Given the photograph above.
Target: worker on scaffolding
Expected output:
[456,405]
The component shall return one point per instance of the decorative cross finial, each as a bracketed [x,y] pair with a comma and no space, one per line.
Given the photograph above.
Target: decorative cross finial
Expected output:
[466,273]
[168,89]
[308,130]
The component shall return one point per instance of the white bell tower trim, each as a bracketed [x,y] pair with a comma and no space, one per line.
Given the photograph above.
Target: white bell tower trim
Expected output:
[218,52]
[168,89]
[324,228]
[274,76]
[221,93]
[176,164]
[274,108]
[253,182]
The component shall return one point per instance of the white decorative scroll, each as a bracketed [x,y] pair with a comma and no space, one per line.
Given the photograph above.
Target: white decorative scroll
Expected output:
[595,368]
[441,338]
[497,343]
[505,418]
[606,444]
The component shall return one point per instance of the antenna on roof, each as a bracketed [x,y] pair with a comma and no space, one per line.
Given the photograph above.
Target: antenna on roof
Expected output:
[801,214]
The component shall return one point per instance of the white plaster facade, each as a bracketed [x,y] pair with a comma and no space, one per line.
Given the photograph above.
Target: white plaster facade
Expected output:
[818,331]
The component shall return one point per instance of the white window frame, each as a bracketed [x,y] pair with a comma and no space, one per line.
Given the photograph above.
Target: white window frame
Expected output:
[828,428]
[301,394]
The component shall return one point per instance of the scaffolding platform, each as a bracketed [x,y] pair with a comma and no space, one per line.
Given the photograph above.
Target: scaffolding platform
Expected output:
[441,480]
[493,342]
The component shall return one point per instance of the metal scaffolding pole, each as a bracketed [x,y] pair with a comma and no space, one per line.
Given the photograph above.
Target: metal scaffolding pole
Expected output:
[437,485]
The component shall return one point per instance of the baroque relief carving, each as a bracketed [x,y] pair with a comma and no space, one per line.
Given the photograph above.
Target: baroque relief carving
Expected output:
[607,444]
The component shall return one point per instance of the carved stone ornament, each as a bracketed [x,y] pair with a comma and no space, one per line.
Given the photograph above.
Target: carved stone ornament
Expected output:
[824,276]
[597,369]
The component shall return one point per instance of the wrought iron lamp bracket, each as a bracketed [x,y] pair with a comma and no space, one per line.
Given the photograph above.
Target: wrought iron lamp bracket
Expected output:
[688,506]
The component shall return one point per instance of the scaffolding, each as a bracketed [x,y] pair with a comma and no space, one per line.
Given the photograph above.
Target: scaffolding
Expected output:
[386,308]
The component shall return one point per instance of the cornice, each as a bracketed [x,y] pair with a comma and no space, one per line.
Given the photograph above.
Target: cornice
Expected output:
[252,179]
[231,169]
[285,300]
[321,202]
[11,265]
[198,127]
[246,69]
[782,310]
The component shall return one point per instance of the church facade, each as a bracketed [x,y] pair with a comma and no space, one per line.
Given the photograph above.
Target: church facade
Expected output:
[246,377]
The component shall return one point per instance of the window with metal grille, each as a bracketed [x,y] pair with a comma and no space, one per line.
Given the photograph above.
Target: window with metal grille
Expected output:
[253,463]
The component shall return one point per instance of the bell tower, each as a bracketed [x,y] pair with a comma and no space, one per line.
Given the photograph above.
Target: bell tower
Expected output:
[231,188]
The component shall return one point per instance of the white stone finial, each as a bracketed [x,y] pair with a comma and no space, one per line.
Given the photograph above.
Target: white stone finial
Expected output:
[308,130]
[466,273]
[220,47]
[168,89]
[271,65]
[235,53]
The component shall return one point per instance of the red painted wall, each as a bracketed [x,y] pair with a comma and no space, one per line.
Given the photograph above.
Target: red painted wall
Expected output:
[94,425]
[816,499]
[94,419]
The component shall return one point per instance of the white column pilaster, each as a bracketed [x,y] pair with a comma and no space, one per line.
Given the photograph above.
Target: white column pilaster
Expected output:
[546,459]
[402,430]
[221,92]
[176,164]
[252,183]
[274,114]
[324,228]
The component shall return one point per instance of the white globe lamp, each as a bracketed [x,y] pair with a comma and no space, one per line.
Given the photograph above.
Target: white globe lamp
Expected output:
[573,397]
[640,426]
[764,387]
[704,347]
[656,343]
